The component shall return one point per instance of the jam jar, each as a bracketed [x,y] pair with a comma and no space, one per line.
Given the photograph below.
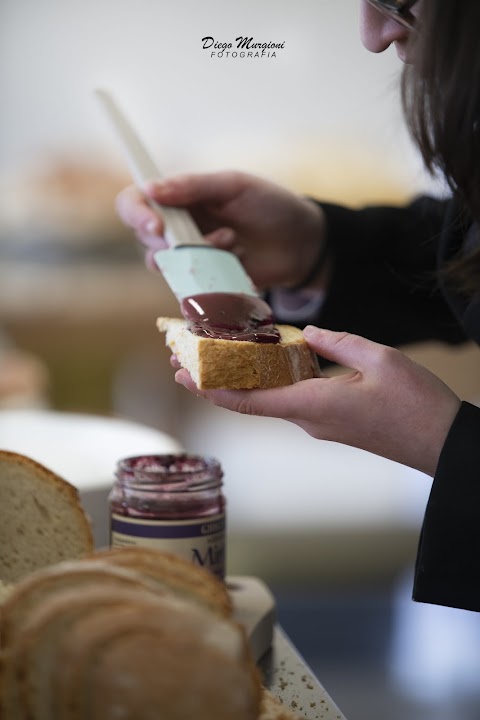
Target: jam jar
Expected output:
[171,502]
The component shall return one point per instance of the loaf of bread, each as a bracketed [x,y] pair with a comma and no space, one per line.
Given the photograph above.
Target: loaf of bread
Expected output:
[41,518]
[173,574]
[38,587]
[39,609]
[240,364]
[132,633]
[91,639]
[163,658]
[128,632]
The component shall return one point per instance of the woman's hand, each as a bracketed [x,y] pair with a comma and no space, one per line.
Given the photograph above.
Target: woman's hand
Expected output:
[276,234]
[387,404]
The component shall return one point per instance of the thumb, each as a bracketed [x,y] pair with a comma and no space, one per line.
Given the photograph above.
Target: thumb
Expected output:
[351,351]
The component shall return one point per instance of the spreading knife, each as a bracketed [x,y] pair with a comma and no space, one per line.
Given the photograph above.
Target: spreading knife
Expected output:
[189,264]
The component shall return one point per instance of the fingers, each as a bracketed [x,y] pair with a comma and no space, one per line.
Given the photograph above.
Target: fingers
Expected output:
[305,399]
[224,238]
[147,225]
[286,402]
[185,190]
[134,211]
[174,362]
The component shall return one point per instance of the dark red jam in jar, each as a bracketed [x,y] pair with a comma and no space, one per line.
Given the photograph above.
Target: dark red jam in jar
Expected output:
[171,502]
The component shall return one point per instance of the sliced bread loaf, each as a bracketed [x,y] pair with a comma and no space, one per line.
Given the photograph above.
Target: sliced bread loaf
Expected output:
[43,602]
[94,638]
[41,518]
[173,573]
[172,658]
[34,657]
[240,364]
[43,585]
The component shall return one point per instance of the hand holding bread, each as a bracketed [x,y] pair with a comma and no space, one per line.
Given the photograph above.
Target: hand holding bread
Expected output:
[382,404]
[238,364]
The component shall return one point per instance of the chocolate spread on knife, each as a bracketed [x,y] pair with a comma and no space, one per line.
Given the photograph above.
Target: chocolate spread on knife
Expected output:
[230,316]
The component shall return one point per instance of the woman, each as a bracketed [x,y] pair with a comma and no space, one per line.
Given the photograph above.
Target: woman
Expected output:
[387,275]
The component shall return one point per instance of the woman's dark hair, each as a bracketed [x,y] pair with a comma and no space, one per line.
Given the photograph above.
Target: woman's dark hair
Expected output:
[441,99]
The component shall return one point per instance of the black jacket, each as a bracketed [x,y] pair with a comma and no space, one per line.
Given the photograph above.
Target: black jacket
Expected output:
[386,287]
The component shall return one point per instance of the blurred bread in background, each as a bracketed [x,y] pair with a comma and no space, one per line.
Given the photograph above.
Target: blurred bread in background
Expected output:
[62,202]
[24,380]
[24,377]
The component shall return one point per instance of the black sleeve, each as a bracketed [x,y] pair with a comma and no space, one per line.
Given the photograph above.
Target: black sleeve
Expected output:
[384,279]
[447,569]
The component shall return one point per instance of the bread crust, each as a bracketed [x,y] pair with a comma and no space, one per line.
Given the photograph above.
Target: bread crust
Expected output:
[91,634]
[33,656]
[94,643]
[43,584]
[173,573]
[239,364]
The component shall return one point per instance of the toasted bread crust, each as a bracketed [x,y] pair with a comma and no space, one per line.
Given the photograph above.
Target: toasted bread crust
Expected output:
[240,365]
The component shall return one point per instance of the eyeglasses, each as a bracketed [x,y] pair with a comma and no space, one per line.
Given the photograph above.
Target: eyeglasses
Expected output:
[399,10]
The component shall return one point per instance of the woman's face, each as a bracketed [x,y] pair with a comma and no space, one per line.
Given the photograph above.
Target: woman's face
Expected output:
[378,32]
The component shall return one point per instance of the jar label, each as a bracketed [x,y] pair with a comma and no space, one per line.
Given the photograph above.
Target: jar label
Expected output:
[200,541]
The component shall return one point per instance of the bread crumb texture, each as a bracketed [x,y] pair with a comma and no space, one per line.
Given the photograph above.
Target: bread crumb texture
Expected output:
[240,365]
[104,642]
[42,520]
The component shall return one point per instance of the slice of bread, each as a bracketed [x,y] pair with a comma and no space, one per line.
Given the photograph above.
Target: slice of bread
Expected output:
[173,659]
[127,631]
[43,585]
[41,518]
[173,573]
[43,600]
[34,659]
[240,364]
[95,639]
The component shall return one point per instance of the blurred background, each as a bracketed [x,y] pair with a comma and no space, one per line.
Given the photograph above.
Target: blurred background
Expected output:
[332,530]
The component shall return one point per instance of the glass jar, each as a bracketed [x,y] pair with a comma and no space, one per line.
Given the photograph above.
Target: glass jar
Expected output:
[171,502]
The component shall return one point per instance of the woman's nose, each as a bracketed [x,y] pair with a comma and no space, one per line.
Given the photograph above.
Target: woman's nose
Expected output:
[377,31]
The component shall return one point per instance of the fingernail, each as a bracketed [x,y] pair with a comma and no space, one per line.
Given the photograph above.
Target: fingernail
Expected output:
[152,227]
[152,185]
[180,378]
[157,187]
[226,235]
[310,330]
